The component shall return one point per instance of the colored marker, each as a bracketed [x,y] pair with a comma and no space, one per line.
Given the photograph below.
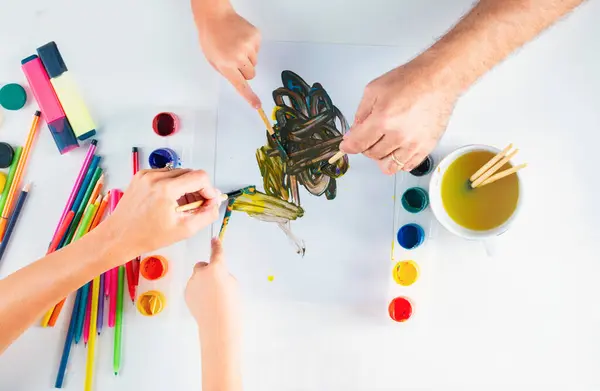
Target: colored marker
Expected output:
[100,320]
[119,321]
[44,94]
[67,92]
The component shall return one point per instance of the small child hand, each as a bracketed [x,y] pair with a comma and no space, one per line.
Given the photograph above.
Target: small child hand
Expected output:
[213,298]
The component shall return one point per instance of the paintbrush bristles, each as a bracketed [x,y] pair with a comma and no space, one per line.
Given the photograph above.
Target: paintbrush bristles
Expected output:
[494,168]
[265,119]
[490,163]
[503,174]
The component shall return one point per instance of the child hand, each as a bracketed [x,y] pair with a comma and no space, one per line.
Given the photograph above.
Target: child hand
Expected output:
[230,44]
[213,298]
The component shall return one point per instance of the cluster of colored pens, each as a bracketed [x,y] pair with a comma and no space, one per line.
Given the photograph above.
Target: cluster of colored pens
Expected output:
[11,207]
[84,210]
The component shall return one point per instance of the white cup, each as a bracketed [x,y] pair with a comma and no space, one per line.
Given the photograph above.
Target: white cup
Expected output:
[437,206]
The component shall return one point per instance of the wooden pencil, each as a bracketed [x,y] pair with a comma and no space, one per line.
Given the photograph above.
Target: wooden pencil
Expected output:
[13,219]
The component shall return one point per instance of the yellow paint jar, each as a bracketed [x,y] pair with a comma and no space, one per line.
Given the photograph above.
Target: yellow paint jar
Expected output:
[406,273]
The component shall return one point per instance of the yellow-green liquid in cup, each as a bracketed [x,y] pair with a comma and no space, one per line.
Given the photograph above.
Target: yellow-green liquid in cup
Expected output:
[483,208]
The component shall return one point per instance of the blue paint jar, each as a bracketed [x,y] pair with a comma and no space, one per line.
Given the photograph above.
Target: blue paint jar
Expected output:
[163,157]
[410,236]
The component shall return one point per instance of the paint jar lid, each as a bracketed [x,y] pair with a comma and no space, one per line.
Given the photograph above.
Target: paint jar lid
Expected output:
[7,154]
[164,157]
[424,168]
[415,200]
[12,96]
[2,181]
[151,303]
[406,273]
[400,309]
[165,124]
[410,236]
[154,267]
[52,59]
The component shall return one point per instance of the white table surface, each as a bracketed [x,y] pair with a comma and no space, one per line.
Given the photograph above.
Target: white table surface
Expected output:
[528,317]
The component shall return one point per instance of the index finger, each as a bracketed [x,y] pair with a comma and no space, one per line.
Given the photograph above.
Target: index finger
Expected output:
[361,136]
[190,182]
[239,82]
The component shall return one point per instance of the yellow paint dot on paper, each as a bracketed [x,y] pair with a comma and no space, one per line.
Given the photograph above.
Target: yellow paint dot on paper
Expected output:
[271,278]
[406,273]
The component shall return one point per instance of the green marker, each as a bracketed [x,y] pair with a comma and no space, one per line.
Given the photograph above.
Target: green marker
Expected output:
[11,176]
[119,321]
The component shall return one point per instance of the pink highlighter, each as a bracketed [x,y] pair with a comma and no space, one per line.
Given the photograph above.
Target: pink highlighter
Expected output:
[112,275]
[49,105]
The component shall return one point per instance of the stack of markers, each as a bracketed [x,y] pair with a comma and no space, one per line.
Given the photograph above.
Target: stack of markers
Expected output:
[84,210]
[58,98]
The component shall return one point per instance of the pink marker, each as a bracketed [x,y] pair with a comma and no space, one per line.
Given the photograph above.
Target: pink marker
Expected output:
[112,276]
[46,98]
[86,321]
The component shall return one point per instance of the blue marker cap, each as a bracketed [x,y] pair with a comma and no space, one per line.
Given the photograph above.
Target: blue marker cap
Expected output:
[63,135]
[52,60]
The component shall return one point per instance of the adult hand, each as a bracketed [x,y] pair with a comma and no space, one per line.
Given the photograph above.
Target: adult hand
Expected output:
[230,44]
[212,296]
[146,219]
[400,119]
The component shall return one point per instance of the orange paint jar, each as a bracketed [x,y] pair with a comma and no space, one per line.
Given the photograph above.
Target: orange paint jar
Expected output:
[154,267]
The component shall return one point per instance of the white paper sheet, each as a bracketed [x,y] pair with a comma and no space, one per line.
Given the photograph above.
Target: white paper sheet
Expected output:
[347,239]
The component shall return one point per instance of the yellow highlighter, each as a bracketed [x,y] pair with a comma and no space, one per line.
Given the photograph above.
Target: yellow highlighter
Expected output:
[67,92]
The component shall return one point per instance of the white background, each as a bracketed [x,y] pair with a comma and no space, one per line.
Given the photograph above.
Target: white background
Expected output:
[528,317]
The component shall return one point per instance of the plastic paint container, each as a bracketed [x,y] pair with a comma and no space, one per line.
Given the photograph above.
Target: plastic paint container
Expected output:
[12,96]
[163,157]
[424,168]
[410,236]
[406,273]
[154,267]
[6,155]
[415,200]
[165,124]
[400,309]
[151,303]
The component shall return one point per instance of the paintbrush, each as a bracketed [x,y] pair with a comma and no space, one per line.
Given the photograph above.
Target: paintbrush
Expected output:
[224,197]
[485,175]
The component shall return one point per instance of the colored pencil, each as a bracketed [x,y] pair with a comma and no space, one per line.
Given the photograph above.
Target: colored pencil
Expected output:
[96,190]
[82,230]
[86,321]
[101,210]
[86,183]
[130,267]
[53,246]
[119,322]
[78,182]
[64,359]
[13,219]
[112,307]
[62,230]
[100,322]
[11,176]
[113,278]
[91,353]
[8,207]
[130,280]
[84,203]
